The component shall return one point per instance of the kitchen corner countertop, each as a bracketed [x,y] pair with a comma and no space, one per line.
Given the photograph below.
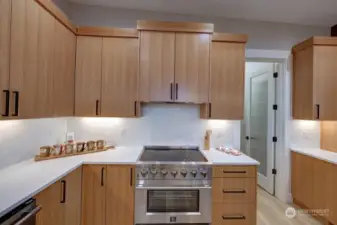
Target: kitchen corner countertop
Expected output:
[317,153]
[24,180]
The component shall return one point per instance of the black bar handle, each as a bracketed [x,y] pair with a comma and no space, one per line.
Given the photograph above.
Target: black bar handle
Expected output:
[241,172]
[171,91]
[317,111]
[239,217]
[234,192]
[210,110]
[16,103]
[7,103]
[102,176]
[131,176]
[135,108]
[97,105]
[177,90]
[64,187]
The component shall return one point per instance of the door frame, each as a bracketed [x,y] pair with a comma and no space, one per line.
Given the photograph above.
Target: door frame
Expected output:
[282,153]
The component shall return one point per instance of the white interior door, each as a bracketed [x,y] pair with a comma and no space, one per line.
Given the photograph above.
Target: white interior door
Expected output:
[262,124]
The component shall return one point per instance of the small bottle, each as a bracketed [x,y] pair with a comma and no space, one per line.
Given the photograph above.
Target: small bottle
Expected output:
[207,140]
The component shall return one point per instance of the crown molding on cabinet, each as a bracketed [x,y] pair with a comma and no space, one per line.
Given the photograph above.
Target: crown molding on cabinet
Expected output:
[175,26]
[328,41]
[226,37]
[57,13]
[107,32]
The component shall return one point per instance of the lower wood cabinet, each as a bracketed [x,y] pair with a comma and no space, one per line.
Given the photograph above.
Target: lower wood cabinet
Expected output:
[314,185]
[61,202]
[234,195]
[108,195]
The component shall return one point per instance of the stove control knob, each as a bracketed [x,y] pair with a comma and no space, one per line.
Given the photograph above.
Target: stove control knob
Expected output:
[144,172]
[153,171]
[203,172]
[194,173]
[163,172]
[183,172]
[174,173]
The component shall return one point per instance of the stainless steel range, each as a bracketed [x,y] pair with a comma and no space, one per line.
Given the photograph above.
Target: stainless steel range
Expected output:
[173,186]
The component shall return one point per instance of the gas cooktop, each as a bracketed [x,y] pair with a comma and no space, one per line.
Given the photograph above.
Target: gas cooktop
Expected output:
[172,154]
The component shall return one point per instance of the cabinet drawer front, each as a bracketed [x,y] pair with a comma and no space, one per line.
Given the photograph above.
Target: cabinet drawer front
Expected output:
[234,190]
[234,214]
[234,171]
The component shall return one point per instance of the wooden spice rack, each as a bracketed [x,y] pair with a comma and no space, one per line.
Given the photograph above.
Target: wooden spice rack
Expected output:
[40,158]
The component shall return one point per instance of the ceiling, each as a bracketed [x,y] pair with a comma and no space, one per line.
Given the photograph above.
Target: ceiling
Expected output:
[305,12]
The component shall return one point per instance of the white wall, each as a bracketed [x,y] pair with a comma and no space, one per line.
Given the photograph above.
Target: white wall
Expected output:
[262,35]
[161,124]
[21,139]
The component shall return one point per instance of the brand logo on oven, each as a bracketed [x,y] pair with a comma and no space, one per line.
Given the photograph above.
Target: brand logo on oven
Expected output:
[173,219]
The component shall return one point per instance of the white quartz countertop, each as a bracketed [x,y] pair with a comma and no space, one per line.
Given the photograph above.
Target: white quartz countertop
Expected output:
[317,153]
[24,180]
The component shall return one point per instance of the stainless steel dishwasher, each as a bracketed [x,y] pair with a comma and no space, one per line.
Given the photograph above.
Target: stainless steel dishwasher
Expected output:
[24,214]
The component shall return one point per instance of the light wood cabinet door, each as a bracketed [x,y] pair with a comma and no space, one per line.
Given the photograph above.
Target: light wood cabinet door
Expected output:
[233,214]
[88,76]
[325,80]
[119,77]
[72,198]
[120,192]
[156,66]
[227,81]
[320,185]
[302,179]
[64,71]
[94,194]
[5,22]
[52,209]
[332,194]
[192,67]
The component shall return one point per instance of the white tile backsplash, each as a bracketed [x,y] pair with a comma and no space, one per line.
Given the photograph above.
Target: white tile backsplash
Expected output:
[304,134]
[161,124]
[21,139]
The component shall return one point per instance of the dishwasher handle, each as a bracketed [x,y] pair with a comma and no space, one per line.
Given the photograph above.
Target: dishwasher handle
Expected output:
[29,215]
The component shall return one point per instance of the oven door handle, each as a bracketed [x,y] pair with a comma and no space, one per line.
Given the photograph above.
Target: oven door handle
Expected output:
[29,215]
[173,188]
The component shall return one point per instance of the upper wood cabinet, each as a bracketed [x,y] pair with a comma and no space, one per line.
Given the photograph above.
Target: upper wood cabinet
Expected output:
[94,194]
[227,78]
[314,69]
[61,202]
[120,195]
[88,76]
[192,67]
[156,78]
[106,76]
[5,19]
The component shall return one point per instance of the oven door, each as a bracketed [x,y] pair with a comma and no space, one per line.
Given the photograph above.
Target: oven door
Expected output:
[161,205]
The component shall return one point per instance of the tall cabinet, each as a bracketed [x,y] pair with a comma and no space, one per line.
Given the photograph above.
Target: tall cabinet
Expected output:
[106,75]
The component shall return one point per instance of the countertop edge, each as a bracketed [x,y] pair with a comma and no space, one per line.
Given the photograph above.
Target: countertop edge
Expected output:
[315,154]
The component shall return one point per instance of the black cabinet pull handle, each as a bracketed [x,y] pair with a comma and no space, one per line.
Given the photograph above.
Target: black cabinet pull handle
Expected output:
[238,217]
[7,103]
[97,105]
[210,110]
[171,91]
[135,108]
[236,172]
[16,103]
[234,192]
[102,176]
[317,111]
[131,177]
[64,187]
[177,89]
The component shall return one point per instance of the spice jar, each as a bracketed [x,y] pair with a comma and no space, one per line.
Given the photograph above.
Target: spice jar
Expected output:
[91,145]
[80,146]
[70,148]
[45,151]
[100,144]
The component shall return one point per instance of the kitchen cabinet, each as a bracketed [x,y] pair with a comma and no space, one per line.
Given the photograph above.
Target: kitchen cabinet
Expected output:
[120,191]
[156,78]
[332,194]
[61,201]
[5,20]
[302,168]
[227,78]
[192,67]
[119,77]
[314,66]
[94,186]
[64,71]
[88,76]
